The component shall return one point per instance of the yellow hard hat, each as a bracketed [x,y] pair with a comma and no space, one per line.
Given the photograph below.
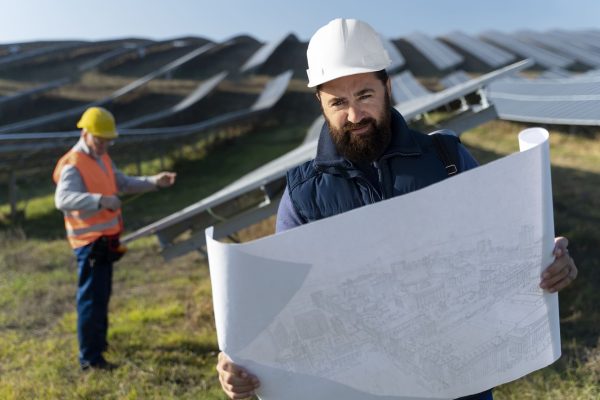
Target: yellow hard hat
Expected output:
[99,122]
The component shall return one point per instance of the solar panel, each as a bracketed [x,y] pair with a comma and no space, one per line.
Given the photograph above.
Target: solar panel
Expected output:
[273,91]
[420,105]
[398,60]
[567,101]
[111,55]
[535,110]
[201,91]
[575,86]
[489,54]
[582,39]
[541,56]
[406,87]
[262,54]
[439,54]
[569,48]
[36,90]
[555,73]
[454,78]
[41,51]
[592,33]
[314,130]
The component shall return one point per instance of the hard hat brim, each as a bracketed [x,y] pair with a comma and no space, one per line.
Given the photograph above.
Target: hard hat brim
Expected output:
[102,135]
[314,81]
[106,135]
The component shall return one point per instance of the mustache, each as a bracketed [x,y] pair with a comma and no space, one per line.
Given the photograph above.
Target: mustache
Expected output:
[360,124]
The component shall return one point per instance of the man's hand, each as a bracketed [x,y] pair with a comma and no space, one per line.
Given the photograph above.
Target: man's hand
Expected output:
[110,202]
[562,271]
[237,383]
[165,179]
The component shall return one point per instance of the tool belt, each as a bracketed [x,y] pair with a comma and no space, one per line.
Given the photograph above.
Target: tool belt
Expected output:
[107,249]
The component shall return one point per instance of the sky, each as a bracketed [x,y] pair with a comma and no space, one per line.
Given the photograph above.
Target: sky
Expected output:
[268,20]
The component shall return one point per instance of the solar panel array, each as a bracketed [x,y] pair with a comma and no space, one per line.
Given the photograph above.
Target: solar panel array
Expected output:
[581,39]
[566,101]
[542,57]
[563,46]
[201,91]
[38,52]
[261,190]
[560,95]
[439,54]
[32,149]
[493,56]
[34,123]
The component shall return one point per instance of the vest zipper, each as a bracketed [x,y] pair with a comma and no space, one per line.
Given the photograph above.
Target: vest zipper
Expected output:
[372,189]
[380,176]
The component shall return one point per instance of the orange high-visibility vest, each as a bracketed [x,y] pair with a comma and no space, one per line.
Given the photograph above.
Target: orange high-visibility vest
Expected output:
[86,226]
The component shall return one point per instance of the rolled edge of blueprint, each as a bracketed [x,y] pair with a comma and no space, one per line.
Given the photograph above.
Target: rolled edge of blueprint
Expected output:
[531,137]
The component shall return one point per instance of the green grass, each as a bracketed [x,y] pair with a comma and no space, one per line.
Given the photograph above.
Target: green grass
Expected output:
[576,188]
[162,329]
[162,332]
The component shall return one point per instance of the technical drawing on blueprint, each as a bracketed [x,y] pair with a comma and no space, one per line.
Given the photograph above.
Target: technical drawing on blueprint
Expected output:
[431,295]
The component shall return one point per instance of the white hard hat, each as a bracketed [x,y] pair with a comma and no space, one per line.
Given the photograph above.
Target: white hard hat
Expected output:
[344,47]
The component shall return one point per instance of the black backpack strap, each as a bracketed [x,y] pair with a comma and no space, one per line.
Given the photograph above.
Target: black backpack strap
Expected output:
[446,147]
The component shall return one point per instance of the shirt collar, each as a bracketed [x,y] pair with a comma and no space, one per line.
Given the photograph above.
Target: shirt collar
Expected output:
[82,147]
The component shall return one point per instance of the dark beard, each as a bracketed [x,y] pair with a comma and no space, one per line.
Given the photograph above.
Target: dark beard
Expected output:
[368,147]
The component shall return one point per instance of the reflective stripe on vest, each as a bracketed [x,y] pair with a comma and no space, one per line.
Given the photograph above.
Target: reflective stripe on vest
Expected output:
[86,226]
[115,222]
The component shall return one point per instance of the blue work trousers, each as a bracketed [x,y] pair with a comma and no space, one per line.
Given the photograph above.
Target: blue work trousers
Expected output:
[93,295]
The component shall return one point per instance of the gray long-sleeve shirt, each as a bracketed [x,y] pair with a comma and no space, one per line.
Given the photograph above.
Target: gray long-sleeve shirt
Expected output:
[71,193]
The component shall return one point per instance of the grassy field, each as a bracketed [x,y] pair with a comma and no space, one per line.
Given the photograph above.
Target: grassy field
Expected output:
[162,330]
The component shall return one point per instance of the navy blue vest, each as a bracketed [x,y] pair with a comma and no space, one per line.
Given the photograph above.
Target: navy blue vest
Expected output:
[330,184]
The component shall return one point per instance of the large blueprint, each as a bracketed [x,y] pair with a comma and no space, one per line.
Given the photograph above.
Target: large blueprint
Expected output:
[430,295]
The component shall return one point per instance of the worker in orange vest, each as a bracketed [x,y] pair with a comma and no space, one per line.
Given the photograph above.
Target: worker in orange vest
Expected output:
[87,188]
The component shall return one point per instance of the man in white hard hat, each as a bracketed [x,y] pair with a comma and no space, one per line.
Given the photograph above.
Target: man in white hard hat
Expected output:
[87,188]
[366,153]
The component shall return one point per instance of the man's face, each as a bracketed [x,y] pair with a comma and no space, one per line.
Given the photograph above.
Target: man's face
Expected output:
[357,111]
[98,146]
